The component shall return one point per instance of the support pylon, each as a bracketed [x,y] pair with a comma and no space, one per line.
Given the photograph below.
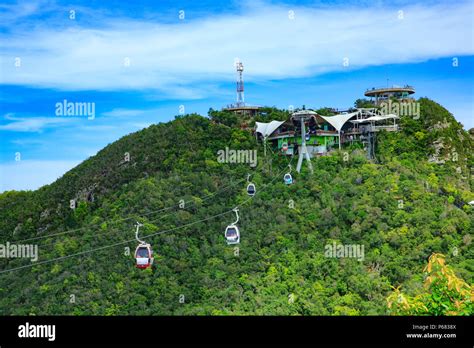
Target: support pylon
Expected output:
[302,116]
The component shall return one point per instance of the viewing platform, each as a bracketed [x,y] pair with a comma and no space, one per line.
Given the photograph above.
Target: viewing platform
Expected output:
[242,109]
[383,93]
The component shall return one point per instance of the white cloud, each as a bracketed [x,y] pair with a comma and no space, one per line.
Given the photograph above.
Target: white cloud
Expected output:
[31,124]
[177,57]
[123,112]
[14,12]
[18,175]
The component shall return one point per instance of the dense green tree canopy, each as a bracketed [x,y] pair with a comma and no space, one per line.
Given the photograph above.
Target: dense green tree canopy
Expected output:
[401,209]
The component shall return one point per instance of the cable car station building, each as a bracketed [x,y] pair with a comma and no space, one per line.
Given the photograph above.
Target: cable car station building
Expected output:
[324,133]
[315,135]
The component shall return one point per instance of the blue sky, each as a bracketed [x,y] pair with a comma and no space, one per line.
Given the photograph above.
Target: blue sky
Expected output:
[139,61]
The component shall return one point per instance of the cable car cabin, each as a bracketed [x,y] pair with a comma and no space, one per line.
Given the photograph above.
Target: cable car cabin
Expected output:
[288,179]
[251,189]
[144,256]
[232,234]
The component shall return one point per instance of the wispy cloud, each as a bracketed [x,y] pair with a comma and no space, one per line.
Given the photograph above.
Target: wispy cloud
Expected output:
[14,12]
[31,124]
[123,113]
[177,57]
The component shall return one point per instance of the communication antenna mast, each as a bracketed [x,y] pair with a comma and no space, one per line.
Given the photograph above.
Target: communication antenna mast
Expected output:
[240,82]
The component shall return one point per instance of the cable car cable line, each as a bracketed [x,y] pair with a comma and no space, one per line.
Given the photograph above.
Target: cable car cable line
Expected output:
[110,245]
[206,198]
[85,252]
[287,178]
[249,191]
[125,242]
[122,219]
[85,227]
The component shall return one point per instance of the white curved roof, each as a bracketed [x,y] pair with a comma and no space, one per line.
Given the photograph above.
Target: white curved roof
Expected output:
[267,129]
[376,118]
[304,113]
[337,121]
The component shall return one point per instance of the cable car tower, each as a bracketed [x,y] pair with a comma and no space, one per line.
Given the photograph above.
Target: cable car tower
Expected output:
[303,116]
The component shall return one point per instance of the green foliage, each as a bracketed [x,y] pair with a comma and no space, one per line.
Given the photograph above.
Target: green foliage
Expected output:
[446,294]
[364,103]
[402,209]
[325,111]
[267,114]
[227,118]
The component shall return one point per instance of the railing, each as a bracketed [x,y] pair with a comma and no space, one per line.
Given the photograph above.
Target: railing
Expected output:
[389,87]
[390,128]
[322,132]
[291,133]
[365,129]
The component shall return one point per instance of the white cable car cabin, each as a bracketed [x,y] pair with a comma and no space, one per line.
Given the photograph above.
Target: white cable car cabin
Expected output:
[287,178]
[251,189]
[232,234]
[144,256]
[143,252]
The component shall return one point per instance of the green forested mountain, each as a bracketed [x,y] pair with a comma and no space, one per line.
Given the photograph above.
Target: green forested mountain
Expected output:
[410,203]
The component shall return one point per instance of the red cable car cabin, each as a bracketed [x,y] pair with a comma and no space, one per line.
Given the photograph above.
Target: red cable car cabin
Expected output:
[144,256]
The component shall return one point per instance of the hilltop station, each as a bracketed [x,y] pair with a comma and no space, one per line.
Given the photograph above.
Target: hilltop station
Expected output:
[310,134]
[324,133]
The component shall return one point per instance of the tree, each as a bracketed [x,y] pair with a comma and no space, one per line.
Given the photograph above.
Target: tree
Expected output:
[364,103]
[325,111]
[446,293]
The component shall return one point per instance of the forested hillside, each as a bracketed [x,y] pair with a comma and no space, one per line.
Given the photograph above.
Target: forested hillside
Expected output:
[410,203]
